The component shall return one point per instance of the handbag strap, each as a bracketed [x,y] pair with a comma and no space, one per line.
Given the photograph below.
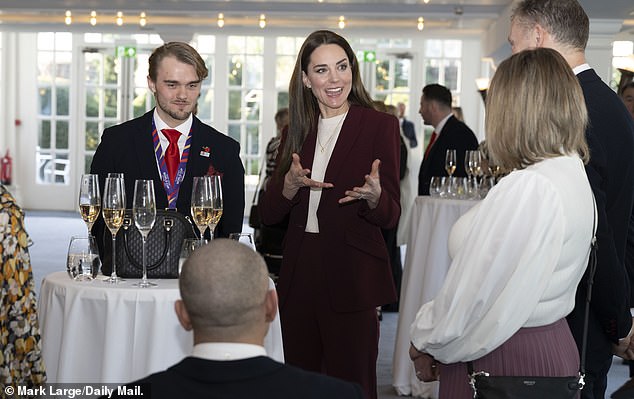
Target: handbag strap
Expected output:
[592,267]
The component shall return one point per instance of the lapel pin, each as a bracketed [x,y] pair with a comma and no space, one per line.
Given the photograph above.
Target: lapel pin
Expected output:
[205,152]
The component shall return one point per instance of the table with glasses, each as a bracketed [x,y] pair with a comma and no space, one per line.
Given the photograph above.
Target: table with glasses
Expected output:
[426,264]
[95,332]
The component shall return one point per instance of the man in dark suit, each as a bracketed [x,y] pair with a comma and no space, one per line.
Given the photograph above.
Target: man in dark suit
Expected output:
[227,302]
[407,126]
[564,26]
[169,145]
[449,133]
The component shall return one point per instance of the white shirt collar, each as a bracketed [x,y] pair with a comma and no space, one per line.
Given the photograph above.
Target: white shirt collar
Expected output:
[183,128]
[227,351]
[442,123]
[580,68]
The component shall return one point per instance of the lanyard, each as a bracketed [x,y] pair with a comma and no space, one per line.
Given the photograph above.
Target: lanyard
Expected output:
[172,191]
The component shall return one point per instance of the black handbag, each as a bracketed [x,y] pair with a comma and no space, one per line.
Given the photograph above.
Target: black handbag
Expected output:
[486,386]
[163,246]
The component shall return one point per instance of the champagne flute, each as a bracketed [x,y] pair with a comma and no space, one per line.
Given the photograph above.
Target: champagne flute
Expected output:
[468,163]
[201,204]
[216,199]
[144,214]
[113,210]
[450,162]
[89,200]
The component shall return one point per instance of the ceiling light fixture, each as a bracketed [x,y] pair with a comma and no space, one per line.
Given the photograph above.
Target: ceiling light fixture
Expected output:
[93,18]
[221,20]
[342,22]
[142,20]
[119,18]
[425,1]
[421,23]
[68,19]
[262,22]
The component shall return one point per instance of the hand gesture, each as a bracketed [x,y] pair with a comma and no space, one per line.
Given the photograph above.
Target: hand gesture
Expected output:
[370,191]
[296,178]
[424,364]
[625,347]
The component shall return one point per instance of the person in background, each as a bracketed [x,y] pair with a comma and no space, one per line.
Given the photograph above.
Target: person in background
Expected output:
[337,180]
[21,360]
[169,145]
[563,25]
[627,95]
[227,302]
[505,298]
[449,133]
[407,127]
[457,112]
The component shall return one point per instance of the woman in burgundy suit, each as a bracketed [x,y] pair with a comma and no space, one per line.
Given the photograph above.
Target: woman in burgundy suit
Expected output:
[337,179]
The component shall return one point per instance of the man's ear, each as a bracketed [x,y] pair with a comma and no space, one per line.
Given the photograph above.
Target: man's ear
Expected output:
[270,305]
[183,316]
[151,85]
[539,34]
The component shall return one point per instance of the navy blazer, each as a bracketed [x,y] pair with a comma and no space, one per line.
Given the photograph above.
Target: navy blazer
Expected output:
[454,135]
[258,377]
[409,132]
[610,136]
[358,270]
[128,148]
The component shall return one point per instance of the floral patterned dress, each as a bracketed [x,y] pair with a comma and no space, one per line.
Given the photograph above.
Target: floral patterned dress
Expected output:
[20,349]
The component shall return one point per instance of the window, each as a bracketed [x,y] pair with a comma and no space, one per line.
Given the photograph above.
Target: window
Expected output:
[442,64]
[287,49]
[206,46]
[54,58]
[245,78]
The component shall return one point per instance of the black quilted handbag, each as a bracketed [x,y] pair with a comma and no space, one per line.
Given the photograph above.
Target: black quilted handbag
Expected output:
[163,246]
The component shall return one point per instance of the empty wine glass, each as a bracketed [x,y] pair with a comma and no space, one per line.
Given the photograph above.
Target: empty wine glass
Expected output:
[217,203]
[201,204]
[81,259]
[113,210]
[435,186]
[243,238]
[89,199]
[144,214]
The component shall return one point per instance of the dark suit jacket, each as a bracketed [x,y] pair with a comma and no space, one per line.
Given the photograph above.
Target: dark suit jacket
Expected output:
[454,135]
[409,132]
[258,377]
[610,136]
[128,148]
[358,271]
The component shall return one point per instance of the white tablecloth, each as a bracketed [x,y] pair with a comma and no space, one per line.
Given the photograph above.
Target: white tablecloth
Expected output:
[94,332]
[426,264]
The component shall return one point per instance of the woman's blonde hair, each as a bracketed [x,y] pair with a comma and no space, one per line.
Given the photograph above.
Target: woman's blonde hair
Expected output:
[535,110]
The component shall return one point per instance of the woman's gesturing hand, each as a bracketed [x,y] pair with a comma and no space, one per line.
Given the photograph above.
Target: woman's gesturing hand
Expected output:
[370,191]
[296,178]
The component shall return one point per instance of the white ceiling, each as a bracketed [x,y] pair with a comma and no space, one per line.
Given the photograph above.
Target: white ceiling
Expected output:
[458,16]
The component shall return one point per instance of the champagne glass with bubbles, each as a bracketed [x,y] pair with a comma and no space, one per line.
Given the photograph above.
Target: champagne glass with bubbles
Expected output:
[217,203]
[450,162]
[89,199]
[144,214]
[113,211]
[201,204]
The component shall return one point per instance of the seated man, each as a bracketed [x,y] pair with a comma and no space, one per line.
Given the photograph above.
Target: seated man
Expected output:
[226,300]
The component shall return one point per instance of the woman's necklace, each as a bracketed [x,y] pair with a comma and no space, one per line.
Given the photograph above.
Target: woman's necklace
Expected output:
[322,147]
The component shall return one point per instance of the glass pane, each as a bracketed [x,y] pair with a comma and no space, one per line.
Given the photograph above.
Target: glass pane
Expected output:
[253,166]
[92,67]
[205,103]
[63,41]
[381,97]
[62,69]
[235,70]
[234,131]
[206,44]
[209,61]
[92,135]
[45,41]
[452,69]
[87,163]
[45,67]
[110,69]
[402,73]
[61,169]
[254,71]
[432,71]
[108,124]
[255,45]
[62,100]
[110,107]
[92,101]
[92,37]
[284,71]
[140,97]
[253,102]
[282,99]
[382,75]
[253,140]
[61,135]
[44,138]
[235,44]
[235,105]
[453,48]
[45,98]
[433,48]
[285,45]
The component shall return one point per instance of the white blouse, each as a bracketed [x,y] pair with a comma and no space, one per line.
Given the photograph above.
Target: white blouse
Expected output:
[517,259]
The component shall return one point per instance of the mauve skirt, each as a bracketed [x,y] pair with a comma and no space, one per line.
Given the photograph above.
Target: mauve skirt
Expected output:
[537,351]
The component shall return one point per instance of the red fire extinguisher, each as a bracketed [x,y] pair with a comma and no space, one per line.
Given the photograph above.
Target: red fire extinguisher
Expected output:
[5,169]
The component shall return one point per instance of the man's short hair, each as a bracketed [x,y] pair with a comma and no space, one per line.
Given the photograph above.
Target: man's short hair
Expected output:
[183,52]
[438,93]
[564,20]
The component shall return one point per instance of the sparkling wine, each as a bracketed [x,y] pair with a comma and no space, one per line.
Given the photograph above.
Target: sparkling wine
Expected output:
[202,215]
[89,212]
[450,169]
[113,218]
[216,214]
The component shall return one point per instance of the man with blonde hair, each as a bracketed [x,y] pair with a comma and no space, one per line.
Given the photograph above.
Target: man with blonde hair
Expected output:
[563,26]
[227,302]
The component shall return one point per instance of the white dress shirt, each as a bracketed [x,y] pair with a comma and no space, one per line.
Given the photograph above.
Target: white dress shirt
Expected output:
[517,259]
[183,128]
[227,351]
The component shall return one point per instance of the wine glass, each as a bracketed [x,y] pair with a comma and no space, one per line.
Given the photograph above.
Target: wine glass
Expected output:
[450,162]
[113,210]
[243,238]
[81,257]
[89,199]
[468,163]
[216,199]
[144,214]
[201,204]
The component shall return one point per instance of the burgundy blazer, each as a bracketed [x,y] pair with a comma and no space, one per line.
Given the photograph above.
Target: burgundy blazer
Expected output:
[357,269]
